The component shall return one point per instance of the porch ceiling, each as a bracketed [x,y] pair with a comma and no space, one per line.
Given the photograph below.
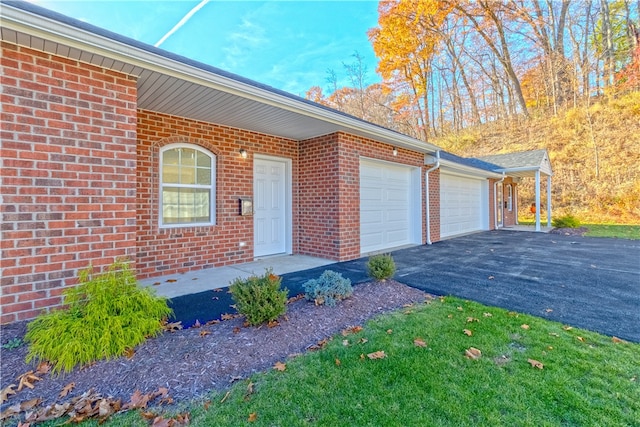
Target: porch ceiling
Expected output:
[176,85]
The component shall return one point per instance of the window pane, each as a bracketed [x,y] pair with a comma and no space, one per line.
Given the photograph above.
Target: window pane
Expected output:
[171,157]
[185,205]
[204,176]
[187,175]
[188,157]
[204,161]
[170,174]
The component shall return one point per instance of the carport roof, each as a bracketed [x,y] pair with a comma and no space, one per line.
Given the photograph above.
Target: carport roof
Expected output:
[521,164]
[175,85]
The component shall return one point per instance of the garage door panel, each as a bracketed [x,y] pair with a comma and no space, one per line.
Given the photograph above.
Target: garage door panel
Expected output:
[385,205]
[460,205]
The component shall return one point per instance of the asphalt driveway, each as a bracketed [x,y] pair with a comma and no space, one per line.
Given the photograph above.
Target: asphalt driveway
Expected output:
[587,282]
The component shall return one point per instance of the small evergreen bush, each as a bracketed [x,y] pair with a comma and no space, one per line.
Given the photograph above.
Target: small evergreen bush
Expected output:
[259,298]
[381,267]
[328,289]
[566,221]
[104,315]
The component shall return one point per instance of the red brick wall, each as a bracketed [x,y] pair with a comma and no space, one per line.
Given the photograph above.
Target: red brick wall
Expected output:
[175,250]
[329,221]
[68,175]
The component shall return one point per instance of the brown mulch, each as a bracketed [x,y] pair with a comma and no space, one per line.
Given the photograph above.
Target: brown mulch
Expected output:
[578,231]
[190,363]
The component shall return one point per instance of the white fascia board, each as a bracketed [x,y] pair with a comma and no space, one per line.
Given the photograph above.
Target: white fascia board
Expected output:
[525,169]
[55,31]
[468,170]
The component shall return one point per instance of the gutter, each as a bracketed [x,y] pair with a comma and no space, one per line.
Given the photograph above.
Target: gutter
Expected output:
[435,166]
[495,193]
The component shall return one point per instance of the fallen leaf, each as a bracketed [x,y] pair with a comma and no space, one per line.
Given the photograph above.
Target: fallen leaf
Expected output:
[217,290]
[236,330]
[27,380]
[450,316]
[67,389]
[535,364]
[550,347]
[491,277]
[363,340]
[279,366]
[129,353]
[183,419]
[206,405]
[171,280]
[338,363]
[249,390]
[460,308]
[273,324]
[148,415]
[467,332]
[553,334]
[30,404]
[225,397]
[253,417]
[389,331]
[351,330]
[377,355]
[408,305]
[172,327]
[204,333]
[227,316]
[138,400]
[419,342]
[156,283]
[196,324]
[567,328]
[617,340]
[525,326]
[581,339]
[473,353]
[345,343]
[160,422]
[212,322]
[472,319]
[487,314]
[43,368]
[6,392]
[549,310]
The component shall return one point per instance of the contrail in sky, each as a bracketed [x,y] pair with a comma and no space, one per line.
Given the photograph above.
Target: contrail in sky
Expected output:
[182,22]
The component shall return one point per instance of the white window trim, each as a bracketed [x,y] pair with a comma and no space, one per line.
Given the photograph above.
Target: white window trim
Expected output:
[212,187]
[510,197]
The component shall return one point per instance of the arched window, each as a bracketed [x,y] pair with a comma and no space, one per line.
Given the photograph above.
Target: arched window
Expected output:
[187,186]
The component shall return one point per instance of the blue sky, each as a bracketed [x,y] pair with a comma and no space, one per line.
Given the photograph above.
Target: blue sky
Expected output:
[289,45]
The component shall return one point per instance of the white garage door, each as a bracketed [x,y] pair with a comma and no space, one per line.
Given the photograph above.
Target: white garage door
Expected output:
[388,203]
[461,205]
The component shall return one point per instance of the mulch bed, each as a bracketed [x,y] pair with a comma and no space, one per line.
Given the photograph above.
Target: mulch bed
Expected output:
[191,363]
[578,231]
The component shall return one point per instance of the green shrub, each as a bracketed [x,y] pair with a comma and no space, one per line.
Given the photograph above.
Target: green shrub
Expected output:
[381,267]
[566,221]
[104,315]
[328,289]
[259,298]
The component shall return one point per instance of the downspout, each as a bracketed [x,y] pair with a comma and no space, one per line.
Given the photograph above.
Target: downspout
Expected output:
[435,166]
[495,205]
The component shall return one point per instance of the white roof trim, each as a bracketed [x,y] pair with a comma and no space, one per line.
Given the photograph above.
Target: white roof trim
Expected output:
[468,170]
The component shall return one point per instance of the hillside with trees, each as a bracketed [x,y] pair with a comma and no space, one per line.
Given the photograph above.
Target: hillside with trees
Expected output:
[489,77]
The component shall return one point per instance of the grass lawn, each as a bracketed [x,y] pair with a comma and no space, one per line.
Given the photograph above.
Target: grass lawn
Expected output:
[622,231]
[425,379]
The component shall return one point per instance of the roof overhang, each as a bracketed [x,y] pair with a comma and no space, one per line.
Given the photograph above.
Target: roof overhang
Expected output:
[525,171]
[469,171]
[175,85]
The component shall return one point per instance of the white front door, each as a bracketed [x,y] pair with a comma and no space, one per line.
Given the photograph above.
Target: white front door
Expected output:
[270,206]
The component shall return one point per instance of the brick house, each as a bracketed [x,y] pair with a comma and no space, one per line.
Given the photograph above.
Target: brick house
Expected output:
[115,149]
